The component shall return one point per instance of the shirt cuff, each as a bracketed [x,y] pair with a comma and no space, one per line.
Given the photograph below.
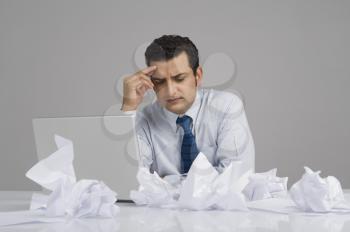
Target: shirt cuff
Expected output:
[129,112]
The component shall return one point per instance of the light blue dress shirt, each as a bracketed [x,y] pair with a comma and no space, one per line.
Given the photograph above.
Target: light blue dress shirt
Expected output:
[219,125]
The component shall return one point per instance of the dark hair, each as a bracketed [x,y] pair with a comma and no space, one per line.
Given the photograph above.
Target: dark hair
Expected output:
[167,47]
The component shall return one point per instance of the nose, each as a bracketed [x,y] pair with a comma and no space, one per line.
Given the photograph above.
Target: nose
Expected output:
[171,88]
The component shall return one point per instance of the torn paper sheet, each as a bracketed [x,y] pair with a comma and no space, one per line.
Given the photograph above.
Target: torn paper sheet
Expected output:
[153,190]
[85,198]
[315,194]
[197,190]
[203,188]
[266,185]
[56,168]
[228,188]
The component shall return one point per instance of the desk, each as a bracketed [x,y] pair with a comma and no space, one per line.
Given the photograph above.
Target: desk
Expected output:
[135,218]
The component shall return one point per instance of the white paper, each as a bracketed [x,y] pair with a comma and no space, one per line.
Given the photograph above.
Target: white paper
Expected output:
[265,185]
[315,194]
[203,188]
[228,188]
[153,190]
[85,198]
[196,191]
[58,167]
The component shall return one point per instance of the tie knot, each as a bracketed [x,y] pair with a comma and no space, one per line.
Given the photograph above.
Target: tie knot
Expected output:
[185,123]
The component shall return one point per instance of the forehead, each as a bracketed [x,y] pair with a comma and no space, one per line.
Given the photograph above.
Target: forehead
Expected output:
[174,66]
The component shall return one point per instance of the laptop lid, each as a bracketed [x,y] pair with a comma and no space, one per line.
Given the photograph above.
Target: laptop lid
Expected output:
[105,148]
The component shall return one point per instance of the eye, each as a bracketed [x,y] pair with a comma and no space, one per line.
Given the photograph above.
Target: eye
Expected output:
[157,81]
[179,79]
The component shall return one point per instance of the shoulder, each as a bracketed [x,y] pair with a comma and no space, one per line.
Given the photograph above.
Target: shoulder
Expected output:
[148,112]
[223,100]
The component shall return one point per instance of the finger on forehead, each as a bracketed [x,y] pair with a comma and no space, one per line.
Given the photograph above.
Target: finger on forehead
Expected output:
[146,78]
[139,77]
[149,69]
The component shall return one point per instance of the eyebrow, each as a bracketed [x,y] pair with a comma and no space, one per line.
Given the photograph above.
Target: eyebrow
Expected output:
[158,78]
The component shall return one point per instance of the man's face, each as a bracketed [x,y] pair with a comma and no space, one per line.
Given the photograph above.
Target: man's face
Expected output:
[175,84]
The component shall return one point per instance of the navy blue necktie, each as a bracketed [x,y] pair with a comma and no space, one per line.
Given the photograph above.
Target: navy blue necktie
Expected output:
[189,150]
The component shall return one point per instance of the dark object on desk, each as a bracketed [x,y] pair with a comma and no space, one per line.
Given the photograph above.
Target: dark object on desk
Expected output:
[124,201]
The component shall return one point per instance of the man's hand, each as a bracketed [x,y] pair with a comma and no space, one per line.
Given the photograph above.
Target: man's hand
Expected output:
[135,87]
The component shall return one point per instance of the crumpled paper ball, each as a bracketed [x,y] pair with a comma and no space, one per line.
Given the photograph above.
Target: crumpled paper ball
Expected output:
[203,188]
[85,198]
[153,190]
[315,194]
[266,185]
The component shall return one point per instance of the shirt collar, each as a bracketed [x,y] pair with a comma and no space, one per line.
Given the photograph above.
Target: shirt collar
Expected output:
[192,111]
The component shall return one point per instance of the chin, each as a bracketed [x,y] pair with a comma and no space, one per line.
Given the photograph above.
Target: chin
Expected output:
[176,110]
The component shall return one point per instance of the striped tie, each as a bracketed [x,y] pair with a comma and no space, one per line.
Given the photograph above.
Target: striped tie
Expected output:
[189,149]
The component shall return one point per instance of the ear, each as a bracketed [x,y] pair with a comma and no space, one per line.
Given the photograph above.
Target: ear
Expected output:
[199,75]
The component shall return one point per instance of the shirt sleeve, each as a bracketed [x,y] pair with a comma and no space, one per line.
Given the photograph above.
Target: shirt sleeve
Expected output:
[145,158]
[142,135]
[130,112]
[234,140]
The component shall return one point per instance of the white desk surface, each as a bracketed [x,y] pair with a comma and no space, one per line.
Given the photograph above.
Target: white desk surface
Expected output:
[134,218]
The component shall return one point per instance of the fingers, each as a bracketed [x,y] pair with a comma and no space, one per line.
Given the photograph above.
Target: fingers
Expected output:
[137,75]
[147,79]
[149,70]
[136,79]
[149,84]
[142,88]
[135,87]
[142,82]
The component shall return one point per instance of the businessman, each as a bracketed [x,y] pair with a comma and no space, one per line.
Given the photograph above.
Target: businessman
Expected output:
[185,119]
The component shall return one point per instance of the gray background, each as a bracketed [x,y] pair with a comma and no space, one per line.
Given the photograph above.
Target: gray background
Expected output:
[63,58]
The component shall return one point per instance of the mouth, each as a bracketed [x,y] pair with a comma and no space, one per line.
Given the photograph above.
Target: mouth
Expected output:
[174,100]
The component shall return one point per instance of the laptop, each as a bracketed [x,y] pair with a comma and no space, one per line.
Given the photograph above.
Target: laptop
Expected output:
[105,148]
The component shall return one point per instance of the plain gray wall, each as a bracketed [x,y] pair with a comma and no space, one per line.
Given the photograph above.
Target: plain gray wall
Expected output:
[63,58]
